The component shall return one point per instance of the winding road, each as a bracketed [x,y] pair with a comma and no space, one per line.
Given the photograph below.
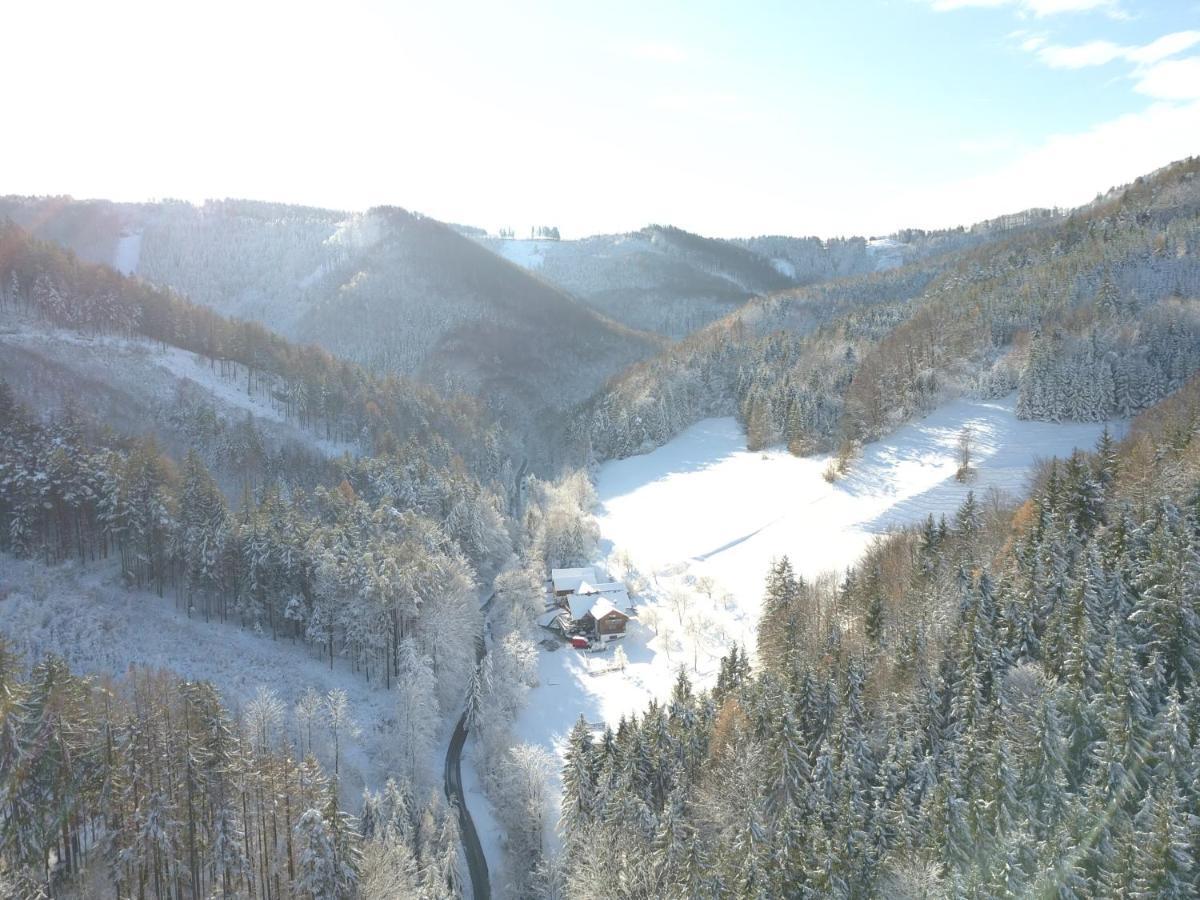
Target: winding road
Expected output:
[481,887]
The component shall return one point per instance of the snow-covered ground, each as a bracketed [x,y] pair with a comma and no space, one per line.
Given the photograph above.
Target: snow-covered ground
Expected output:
[784,267]
[526,254]
[703,505]
[128,252]
[888,253]
[572,683]
[701,519]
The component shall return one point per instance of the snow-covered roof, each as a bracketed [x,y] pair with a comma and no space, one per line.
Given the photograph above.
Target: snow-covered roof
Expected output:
[549,618]
[603,606]
[570,579]
[604,587]
[616,594]
[599,605]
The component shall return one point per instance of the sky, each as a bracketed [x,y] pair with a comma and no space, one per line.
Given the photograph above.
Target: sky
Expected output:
[730,119]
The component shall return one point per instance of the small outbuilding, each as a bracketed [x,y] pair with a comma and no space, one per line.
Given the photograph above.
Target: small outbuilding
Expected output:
[567,581]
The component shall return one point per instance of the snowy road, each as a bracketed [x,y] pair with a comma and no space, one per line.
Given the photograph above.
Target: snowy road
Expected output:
[481,888]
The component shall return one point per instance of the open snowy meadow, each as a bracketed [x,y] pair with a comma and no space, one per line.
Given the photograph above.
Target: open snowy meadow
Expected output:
[703,506]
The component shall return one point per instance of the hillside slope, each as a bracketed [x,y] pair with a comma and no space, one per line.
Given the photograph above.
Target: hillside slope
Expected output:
[389,289]
[660,279]
[141,358]
[1087,315]
[423,299]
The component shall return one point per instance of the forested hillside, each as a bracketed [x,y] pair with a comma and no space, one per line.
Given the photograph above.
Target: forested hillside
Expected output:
[425,300]
[673,282]
[302,385]
[1000,705]
[1101,298]
[660,279]
[394,291]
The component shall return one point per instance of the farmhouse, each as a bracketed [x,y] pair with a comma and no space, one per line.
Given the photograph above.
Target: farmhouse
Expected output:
[581,603]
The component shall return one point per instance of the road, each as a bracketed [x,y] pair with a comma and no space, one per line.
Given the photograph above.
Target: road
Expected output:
[481,887]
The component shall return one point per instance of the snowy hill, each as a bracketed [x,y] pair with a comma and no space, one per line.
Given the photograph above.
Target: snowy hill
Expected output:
[1088,315]
[422,299]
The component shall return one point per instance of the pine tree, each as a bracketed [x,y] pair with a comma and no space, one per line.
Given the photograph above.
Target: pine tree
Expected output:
[579,788]
[316,862]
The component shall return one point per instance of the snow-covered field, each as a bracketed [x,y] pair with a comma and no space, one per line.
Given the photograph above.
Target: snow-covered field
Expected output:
[704,505]
[701,519]
[888,253]
[526,254]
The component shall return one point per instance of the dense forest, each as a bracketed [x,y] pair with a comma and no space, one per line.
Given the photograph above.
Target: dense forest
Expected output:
[1000,705]
[377,572]
[146,786]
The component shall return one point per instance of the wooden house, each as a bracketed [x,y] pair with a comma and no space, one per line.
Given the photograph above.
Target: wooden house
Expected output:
[583,604]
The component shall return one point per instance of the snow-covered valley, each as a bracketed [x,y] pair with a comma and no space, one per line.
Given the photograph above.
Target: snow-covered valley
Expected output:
[693,526]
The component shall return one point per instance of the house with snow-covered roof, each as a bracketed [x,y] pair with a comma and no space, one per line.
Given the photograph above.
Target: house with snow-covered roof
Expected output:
[585,604]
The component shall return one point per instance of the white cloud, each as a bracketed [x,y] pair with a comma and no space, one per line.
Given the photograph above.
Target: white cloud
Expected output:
[986,146]
[1172,79]
[1093,53]
[1099,53]
[1154,70]
[1038,8]
[1167,45]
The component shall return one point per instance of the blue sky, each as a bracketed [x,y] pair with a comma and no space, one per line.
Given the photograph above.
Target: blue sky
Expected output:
[725,118]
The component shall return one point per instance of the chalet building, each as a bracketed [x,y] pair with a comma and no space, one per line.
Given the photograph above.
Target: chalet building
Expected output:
[579,602]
